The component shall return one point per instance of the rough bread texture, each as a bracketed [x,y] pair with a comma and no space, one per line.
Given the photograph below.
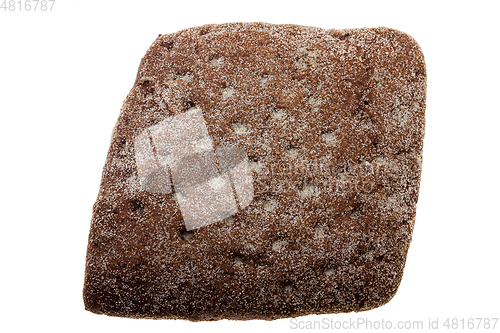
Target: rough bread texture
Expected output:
[333,124]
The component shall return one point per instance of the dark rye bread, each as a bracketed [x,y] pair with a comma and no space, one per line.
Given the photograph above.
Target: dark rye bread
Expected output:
[332,122]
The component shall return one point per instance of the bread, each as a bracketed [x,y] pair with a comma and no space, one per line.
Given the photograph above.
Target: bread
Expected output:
[331,126]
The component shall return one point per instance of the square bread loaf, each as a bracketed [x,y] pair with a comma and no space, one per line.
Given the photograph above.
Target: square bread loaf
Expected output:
[260,171]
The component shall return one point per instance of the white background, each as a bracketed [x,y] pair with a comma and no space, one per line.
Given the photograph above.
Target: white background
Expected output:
[65,73]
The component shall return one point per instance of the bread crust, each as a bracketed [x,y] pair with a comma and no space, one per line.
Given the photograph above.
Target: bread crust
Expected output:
[333,126]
